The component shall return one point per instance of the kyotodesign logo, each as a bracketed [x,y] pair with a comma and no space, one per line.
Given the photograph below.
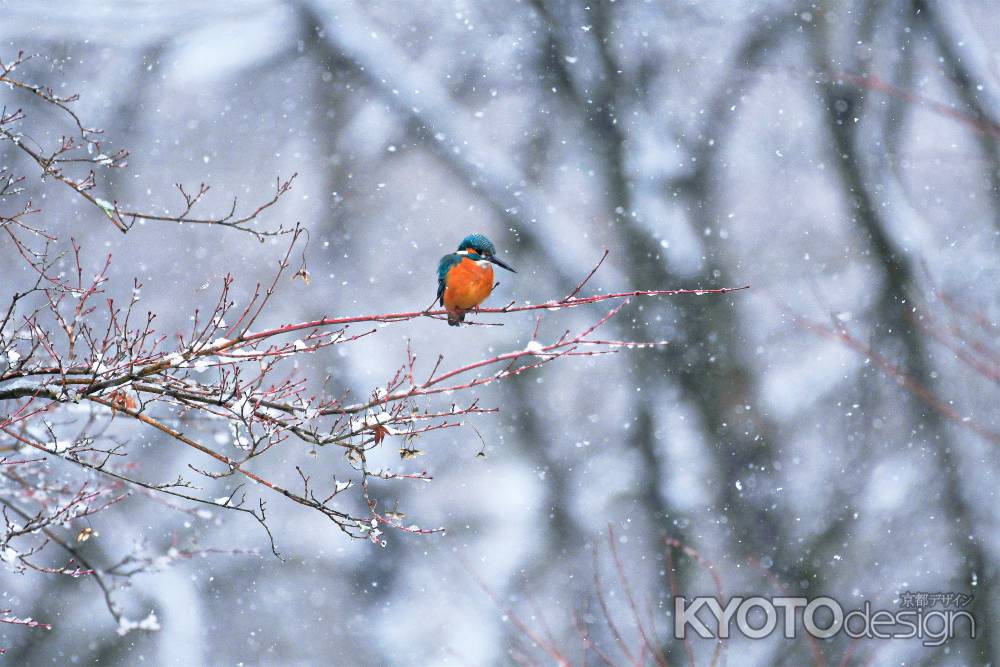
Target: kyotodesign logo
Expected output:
[934,618]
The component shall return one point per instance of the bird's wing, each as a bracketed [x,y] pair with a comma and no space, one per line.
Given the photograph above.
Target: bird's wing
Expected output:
[444,266]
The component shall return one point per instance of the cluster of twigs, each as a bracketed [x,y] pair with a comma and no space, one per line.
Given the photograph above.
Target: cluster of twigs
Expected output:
[968,336]
[77,366]
[630,637]
[83,152]
[618,623]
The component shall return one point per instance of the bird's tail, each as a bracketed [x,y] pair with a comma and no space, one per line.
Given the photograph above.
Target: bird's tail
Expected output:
[456,317]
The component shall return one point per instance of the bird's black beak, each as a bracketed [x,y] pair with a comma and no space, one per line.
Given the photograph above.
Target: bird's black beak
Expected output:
[500,263]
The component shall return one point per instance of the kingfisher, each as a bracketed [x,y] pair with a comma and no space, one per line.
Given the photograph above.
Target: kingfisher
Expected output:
[465,277]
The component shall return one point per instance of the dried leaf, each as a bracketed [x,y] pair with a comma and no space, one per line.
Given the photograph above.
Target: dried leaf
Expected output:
[86,534]
[120,400]
[410,453]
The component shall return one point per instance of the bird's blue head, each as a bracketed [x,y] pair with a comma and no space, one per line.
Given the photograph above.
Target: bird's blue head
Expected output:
[482,246]
[479,244]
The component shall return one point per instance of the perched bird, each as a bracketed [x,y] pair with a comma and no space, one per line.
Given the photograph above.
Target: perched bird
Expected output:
[465,277]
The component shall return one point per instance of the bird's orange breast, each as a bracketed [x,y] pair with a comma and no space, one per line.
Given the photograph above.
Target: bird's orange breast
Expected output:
[468,284]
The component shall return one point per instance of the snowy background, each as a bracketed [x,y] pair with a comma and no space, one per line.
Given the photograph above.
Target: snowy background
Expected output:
[841,157]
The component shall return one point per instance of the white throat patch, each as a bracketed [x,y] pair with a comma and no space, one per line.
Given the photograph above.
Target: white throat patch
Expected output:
[481,263]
